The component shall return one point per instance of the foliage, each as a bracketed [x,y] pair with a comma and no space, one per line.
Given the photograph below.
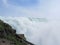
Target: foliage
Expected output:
[9,33]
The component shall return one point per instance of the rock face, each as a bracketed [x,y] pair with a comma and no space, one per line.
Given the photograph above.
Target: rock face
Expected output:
[8,36]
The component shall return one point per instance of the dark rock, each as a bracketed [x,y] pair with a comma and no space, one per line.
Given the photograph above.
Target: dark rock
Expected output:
[8,36]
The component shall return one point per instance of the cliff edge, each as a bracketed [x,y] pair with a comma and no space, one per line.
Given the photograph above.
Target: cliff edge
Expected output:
[8,36]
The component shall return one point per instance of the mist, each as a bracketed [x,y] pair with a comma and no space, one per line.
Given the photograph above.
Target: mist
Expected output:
[40,31]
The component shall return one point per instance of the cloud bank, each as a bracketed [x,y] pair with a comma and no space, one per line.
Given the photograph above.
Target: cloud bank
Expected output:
[39,31]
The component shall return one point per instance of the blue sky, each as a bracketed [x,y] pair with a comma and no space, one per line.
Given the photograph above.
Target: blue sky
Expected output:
[18,7]
[30,8]
[23,2]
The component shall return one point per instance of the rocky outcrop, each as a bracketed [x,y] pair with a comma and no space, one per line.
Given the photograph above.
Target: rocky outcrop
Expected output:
[8,36]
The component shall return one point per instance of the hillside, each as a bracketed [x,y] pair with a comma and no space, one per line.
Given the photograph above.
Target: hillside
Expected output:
[8,33]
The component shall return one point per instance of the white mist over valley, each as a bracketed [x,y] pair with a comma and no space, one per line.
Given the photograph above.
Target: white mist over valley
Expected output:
[40,31]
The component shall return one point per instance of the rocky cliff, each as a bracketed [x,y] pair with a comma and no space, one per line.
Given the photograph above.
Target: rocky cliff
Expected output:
[8,34]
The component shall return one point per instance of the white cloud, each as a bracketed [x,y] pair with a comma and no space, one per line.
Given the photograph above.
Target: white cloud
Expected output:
[54,9]
[39,33]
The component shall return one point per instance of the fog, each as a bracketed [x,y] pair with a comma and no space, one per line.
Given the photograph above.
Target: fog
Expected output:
[40,31]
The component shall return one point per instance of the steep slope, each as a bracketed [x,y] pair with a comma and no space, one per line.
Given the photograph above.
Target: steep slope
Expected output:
[8,33]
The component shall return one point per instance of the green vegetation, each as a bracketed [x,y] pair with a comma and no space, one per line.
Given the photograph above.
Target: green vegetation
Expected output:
[8,33]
